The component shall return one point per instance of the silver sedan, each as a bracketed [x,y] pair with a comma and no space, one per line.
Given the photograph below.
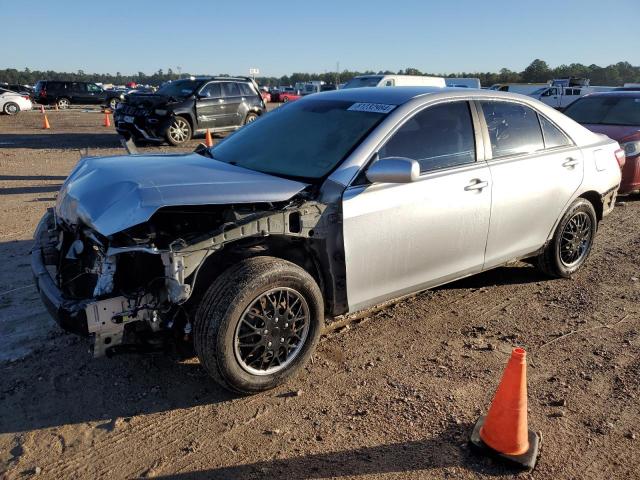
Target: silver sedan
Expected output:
[325,206]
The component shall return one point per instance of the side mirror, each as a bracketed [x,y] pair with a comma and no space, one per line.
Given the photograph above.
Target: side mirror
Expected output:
[394,170]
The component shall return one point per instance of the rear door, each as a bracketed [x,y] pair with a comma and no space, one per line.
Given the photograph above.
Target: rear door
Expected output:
[534,174]
[95,94]
[232,100]
[210,107]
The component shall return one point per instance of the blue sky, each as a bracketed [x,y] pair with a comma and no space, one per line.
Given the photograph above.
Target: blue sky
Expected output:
[285,37]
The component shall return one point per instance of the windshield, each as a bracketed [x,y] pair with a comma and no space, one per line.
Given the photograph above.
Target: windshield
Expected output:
[606,110]
[179,88]
[363,82]
[306,139]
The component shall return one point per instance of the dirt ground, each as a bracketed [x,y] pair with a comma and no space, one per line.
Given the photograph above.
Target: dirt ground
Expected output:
[393,394]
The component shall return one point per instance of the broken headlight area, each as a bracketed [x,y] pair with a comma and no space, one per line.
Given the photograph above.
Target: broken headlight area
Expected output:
[121,295]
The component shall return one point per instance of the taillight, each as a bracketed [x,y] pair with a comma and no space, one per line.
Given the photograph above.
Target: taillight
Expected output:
[43,93]
[620,157]
[26,97]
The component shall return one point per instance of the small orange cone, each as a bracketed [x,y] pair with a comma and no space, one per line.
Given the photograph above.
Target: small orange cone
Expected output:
[503,432]
[107,120]
[45,124]
[208,141]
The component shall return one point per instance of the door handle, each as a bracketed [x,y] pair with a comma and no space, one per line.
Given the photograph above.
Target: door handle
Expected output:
[570,162]
[476,184]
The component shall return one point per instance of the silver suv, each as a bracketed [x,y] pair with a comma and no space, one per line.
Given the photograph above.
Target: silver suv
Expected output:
[245,248]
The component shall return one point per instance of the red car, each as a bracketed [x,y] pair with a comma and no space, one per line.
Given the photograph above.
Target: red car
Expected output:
[288,95]
[617,115]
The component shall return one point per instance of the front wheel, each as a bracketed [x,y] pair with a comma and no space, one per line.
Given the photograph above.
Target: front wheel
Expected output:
[113,103]
[572,241]
[179,131]
[11,108]
[258,324]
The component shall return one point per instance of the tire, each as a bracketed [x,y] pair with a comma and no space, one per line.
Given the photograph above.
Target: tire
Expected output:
[113,103]
[63,103]
[179,132]
[572,241]
[11,108]
[225,315]
[251,117]
[285,99]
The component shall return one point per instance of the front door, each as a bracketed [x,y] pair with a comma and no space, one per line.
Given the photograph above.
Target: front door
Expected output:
[210,107]
[406,237]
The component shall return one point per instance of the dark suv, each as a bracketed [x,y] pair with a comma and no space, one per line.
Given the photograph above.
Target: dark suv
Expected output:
[183,108]
[64,94]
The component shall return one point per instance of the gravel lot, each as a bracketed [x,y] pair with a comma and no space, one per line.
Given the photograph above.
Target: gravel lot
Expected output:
[392,394]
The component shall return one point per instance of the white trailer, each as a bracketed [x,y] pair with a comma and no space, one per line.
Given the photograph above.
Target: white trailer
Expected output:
[395,81]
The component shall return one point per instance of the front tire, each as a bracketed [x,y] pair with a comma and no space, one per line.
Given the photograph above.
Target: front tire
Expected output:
[11,108]
[258,323]
[113,103]
[572,241]
[179,131]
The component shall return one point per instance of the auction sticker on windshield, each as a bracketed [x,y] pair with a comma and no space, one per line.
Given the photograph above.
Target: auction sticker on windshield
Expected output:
[371,107]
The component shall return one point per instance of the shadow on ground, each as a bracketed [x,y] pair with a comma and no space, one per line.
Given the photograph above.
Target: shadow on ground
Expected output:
[441,451]
[30,189]
[60,140]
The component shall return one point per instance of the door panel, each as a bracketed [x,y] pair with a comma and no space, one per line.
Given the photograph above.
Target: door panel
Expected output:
[401,238]
[210,107]
[531,186]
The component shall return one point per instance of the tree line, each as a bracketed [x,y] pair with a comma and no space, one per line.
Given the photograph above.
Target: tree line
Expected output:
[538,71]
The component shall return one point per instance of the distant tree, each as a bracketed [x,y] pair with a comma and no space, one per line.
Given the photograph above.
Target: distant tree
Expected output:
[537,71]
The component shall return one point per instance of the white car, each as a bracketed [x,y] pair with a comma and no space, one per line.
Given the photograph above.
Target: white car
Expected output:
[12,102]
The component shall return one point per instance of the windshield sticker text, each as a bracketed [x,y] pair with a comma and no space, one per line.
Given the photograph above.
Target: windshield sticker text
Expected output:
[371,107]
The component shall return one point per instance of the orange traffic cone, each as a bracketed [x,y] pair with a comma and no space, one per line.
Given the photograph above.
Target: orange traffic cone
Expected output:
[45,124]
[208,141]
[503,432]
[107,119]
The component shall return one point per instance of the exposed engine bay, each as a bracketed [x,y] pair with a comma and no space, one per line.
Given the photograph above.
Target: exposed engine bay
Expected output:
[131,288]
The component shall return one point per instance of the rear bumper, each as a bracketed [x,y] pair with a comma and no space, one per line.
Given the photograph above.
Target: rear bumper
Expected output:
[69,314]
[630,175]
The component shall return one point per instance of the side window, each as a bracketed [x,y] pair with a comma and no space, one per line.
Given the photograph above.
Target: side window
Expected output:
[245,89]
[437,137]
[78,87]
[389,83]
[93,88]
[230,89]
[553,137]
[513,128]
[211,90]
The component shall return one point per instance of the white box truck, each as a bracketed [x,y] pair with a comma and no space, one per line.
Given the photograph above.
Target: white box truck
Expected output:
[395,81]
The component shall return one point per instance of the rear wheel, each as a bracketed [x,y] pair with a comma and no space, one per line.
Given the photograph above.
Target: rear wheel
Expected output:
[572,241]
[179,131]
[251,117]
[258,324]
[63,103]
[285,99]
[113,103]
[11,108]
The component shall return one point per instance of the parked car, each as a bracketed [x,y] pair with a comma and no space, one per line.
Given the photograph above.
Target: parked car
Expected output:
[183,108]
[66,93]
[463,82]
[617,115]
[395,81]
[289,94]
[12,103]
[247,246]
[521,88]
[18,88]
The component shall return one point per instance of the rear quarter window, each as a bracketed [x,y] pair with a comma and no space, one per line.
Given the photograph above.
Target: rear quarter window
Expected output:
[553,136]
[245,89]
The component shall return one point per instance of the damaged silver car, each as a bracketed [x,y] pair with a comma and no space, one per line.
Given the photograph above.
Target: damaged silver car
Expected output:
[247,247]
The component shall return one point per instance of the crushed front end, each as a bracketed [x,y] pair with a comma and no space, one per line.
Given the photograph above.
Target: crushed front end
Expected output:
[124,296]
